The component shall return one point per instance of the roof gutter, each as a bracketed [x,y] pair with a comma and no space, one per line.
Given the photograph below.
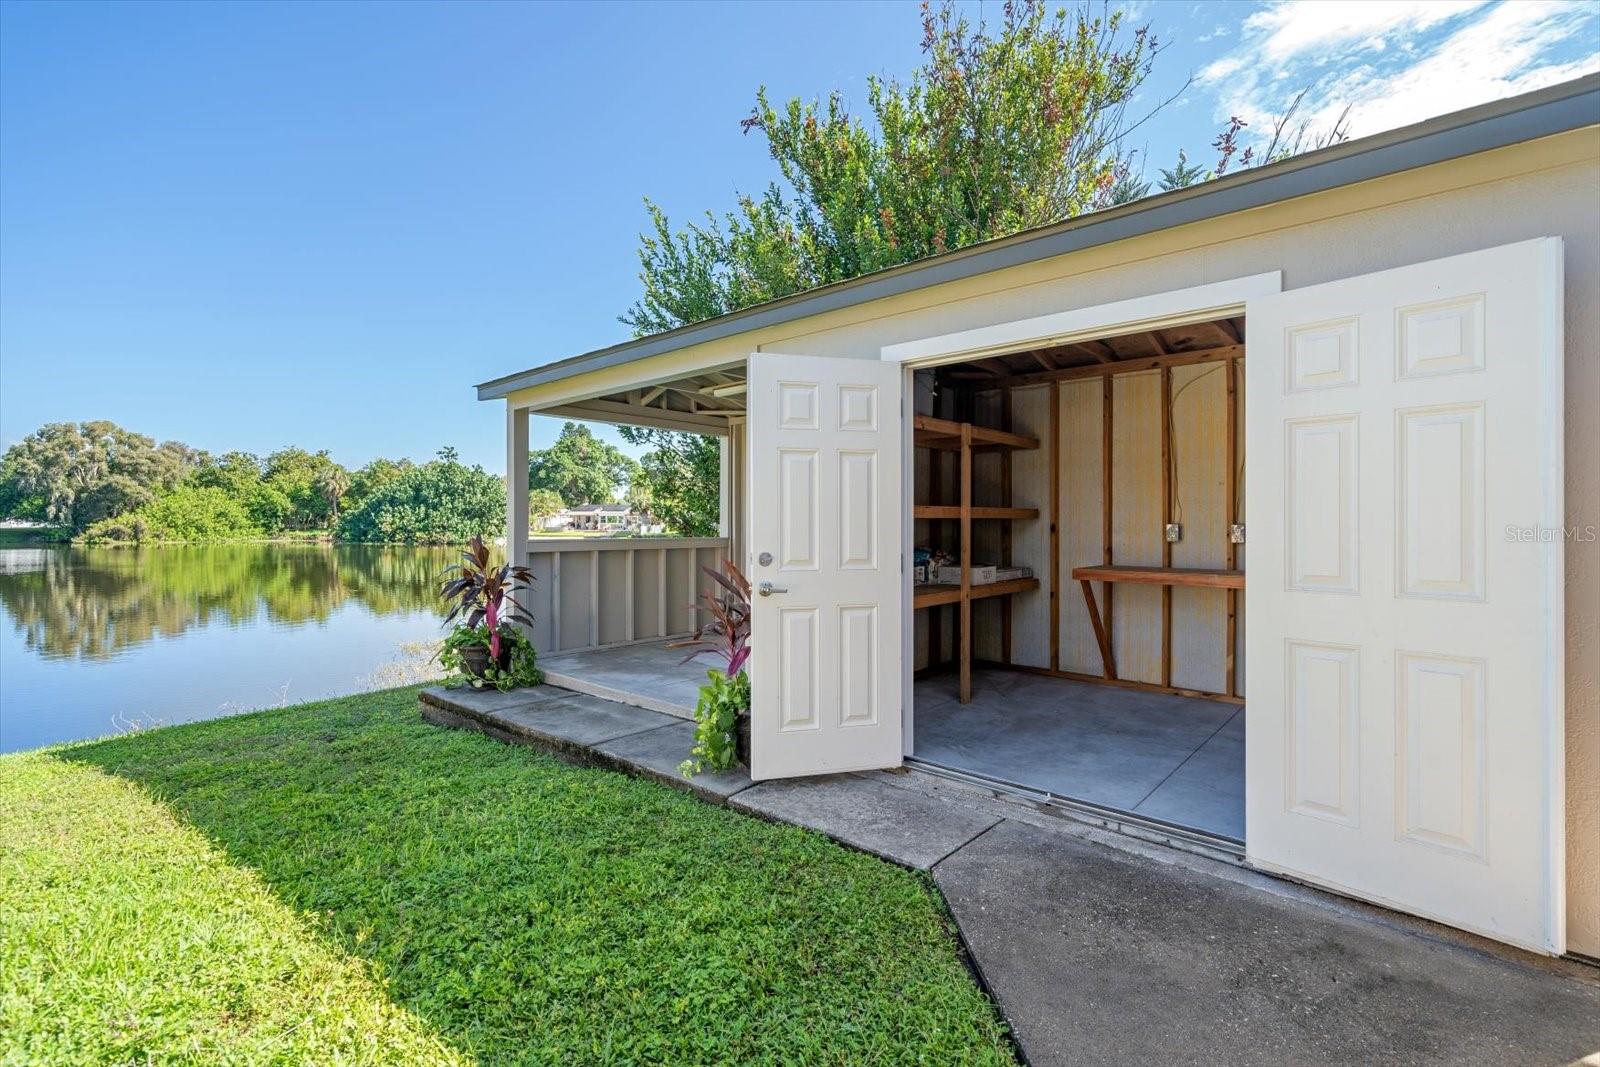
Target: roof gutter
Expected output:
[1557,109]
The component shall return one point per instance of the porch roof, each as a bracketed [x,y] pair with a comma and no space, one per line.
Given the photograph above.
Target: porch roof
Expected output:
[1557,109]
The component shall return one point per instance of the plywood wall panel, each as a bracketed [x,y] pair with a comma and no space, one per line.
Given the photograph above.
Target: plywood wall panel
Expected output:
[1200,475]
[1082,503]
[1030,538]
[1136,520]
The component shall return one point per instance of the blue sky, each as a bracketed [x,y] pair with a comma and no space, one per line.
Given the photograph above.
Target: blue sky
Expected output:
[245,226]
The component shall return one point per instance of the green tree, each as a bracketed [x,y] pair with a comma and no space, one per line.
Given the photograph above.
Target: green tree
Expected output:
[543,503]
[682,472]
[332,482]
[187,513]
[579,467]
[76,474]
[234,472]
[374,476]
[302,476]
[995,133]
[1183,174]
[443,502]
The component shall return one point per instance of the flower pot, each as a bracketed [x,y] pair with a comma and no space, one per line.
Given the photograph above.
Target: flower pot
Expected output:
[741,742]
[475,659]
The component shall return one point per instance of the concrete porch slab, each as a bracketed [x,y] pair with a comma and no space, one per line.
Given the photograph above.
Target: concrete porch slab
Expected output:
[555,719]
[905,827]
[657,754]
[647,675]
[1097,955]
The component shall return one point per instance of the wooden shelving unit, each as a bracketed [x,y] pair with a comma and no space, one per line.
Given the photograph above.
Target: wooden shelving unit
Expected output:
[964,439]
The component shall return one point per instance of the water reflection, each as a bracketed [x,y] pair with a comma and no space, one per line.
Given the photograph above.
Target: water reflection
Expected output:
[97,603]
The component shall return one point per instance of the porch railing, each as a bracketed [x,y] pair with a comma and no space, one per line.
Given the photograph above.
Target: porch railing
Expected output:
[589,592]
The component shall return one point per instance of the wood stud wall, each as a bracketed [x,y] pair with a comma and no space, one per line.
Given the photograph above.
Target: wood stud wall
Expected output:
[1137,498]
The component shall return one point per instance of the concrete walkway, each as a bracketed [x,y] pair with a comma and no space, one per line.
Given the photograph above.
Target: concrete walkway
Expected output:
[1103,950]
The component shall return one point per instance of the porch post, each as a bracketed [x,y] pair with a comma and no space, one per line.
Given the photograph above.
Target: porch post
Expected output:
[724,483]
[516,484]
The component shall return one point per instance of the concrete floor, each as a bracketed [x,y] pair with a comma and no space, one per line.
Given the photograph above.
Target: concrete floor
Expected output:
[1176,759]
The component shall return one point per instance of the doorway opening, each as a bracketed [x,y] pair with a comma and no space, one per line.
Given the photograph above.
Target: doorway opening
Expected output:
[1078,573]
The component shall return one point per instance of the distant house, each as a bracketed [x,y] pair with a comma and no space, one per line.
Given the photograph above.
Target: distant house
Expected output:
[601,518]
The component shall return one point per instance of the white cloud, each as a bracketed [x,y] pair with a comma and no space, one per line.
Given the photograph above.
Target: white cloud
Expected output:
[1289,29]
[1396,64]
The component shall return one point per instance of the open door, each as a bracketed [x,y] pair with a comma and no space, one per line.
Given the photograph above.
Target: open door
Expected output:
[824,469]
[1404,704]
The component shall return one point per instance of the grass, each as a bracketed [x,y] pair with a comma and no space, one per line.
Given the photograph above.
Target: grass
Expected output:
[342,883]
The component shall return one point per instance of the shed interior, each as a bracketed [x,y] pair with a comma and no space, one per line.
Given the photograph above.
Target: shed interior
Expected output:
[1101,661]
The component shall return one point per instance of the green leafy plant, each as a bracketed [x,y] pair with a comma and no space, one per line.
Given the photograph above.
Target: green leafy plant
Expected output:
[487,647]
[723,700]
[723,710]
[515,667]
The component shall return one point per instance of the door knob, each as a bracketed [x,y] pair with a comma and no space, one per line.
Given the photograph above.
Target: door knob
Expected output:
[767,588]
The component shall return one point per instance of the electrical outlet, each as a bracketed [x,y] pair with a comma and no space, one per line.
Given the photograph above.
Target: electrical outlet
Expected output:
[1236,533]
[1174,532]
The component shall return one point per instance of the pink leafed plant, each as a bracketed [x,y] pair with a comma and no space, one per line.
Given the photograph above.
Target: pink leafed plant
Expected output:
[727,632]
[481,593]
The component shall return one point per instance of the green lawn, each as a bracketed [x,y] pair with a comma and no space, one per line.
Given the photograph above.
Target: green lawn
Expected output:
[343,883]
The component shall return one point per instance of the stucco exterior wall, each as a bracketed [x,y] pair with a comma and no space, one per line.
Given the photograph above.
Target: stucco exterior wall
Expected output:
[1549,187]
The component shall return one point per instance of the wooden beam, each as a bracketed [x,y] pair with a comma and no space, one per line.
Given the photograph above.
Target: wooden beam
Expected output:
[652,396]
[1107,552]
[1055,526]
[1166,513]
[936,543]
[1005,527]
[966,563]
[1107,659]
[1231,488]
[1127,366]
[1229,329]
[1100,350]
[1044,359]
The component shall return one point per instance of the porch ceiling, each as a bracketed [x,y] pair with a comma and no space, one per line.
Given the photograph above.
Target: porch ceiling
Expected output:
[699,403]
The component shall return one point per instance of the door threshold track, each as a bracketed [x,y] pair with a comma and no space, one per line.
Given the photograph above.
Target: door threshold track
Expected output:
[1155,831]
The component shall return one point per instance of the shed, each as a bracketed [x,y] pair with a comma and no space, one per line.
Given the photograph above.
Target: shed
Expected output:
[1253,514]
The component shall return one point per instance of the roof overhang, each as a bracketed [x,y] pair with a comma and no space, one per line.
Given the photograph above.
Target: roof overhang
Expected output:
[1569,106]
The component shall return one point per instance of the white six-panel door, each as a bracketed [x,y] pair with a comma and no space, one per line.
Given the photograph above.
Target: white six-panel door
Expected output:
[1404,701]
[824,470]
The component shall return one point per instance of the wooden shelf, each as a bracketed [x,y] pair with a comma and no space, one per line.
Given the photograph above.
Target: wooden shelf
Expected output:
[930,432]
[953,511]
[929,596]
[1187,576]
[965,439]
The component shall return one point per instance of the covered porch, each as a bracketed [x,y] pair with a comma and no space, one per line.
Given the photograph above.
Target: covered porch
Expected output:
[605,607]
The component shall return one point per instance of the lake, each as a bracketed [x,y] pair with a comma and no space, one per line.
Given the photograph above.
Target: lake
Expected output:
[102,640]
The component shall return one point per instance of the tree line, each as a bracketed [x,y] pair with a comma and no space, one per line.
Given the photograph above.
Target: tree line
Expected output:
[100,482]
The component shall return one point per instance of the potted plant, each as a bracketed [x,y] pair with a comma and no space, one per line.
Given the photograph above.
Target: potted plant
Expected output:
[487,647]
[722,715]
